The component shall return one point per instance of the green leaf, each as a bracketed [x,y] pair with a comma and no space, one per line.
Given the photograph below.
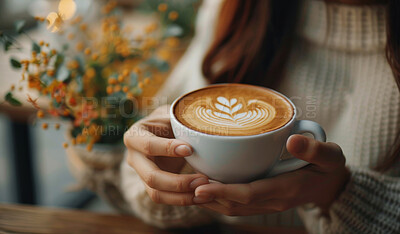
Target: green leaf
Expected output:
[65,47]
[63,73]
[15,63]
[59,61]
[36,47]
[7,45]
[134,78]
[10,99]
[19,25]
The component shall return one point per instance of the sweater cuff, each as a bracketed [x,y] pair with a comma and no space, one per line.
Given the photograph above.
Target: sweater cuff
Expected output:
[159,215]
[370,203]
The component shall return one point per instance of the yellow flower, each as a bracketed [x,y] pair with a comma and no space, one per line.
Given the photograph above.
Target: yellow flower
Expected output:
[164,54]
[172,42]
[95,56]
[90,73]
[129,95]
[71,36]
[125,72]
[40,114]
[79,46]
[89,147]
[112,81]
[114,28]
[137,70]
[173,15]
[117,88]
[150,28]
[73,64]
[41,43]
[83,27]
[51,73]
[162,7]
[109,89]
[87,51]
[45,126]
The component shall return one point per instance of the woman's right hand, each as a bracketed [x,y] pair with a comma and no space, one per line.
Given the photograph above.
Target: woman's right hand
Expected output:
[158,158]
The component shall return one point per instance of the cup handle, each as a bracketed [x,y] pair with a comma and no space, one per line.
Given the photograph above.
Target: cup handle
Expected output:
[301,126]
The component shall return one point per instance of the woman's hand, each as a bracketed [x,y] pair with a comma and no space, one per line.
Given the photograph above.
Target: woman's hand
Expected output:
[319,183]
[158,158]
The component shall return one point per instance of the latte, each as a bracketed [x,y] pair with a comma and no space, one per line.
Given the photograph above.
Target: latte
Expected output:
[233,110]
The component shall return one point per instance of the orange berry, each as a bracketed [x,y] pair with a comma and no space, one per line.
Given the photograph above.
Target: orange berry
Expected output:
[109,89]
[137,70]
[95,56]
[53,51]
[173,15]
[125,89]
[12,87]
[87,51]
[45,125]
[47,44]
[162,7]
[83,27]
[57,126]
[125,72]
[41,43]
[71,36]
[73,141]
[146,80]
[79,46]
[129,95]
[120,78]
[112,81]
[117,88]
[40,114]
[140,85]
[114,27]
[51,73]
[89,147]
[65,145]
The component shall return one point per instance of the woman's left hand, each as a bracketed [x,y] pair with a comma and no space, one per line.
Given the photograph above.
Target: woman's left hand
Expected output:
[319,183]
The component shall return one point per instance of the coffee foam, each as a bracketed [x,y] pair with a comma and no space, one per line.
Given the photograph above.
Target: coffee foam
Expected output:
[233,110]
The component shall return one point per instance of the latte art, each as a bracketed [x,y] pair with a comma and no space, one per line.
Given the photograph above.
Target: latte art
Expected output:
[235,115]
[233,110]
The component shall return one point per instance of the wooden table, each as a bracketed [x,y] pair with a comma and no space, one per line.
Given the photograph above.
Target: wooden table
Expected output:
[30,219]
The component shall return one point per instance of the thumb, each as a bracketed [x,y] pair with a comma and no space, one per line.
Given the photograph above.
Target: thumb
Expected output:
[324,154]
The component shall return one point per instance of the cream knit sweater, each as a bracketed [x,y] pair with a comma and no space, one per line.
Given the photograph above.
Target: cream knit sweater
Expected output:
[337,75]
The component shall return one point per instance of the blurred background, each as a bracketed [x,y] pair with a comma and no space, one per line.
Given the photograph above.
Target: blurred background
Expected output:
[34,166]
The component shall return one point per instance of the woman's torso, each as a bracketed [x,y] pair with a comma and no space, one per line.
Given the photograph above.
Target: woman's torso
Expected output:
[336,75]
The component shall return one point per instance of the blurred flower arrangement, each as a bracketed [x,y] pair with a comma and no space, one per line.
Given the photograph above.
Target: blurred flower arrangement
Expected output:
[96,79]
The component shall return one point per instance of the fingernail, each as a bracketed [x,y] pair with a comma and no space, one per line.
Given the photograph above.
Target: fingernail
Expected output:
[197,182]
[183,150]
[203,198]
[299,144]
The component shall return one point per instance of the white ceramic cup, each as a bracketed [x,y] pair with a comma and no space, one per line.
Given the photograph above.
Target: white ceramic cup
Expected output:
[241,159]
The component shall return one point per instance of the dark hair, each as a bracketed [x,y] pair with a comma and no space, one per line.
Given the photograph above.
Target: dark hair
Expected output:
[253,38]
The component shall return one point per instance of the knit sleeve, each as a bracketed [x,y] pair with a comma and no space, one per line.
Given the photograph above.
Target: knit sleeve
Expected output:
[370,203]
[159,215]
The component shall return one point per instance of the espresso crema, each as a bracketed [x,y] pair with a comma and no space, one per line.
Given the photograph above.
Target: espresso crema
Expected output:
[233,110]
